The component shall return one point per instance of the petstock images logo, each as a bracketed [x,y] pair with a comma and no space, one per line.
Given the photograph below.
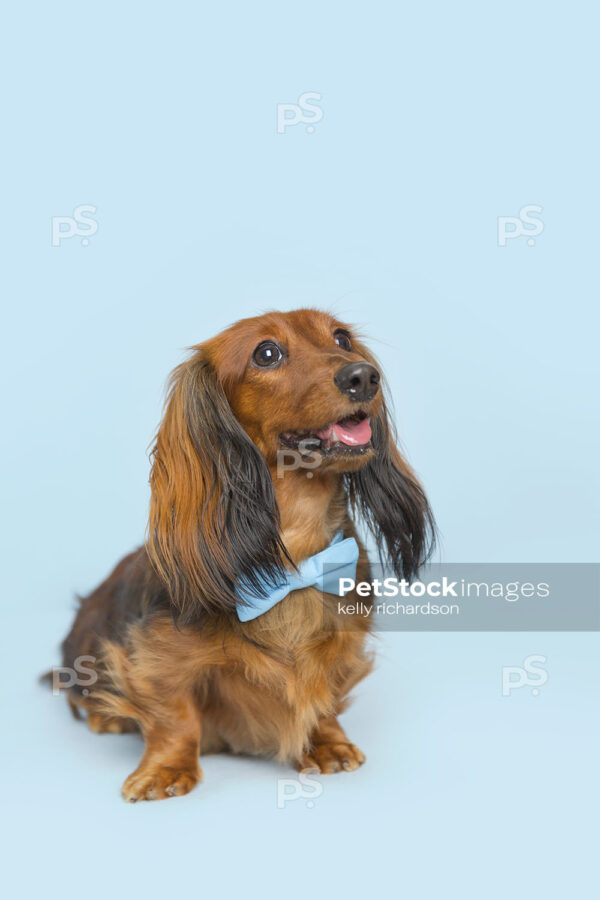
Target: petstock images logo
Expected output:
[475,597]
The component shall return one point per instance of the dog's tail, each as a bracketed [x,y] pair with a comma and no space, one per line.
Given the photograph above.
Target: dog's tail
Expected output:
[49,678]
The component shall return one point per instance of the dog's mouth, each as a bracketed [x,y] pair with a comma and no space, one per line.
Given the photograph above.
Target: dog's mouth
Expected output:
[350,436]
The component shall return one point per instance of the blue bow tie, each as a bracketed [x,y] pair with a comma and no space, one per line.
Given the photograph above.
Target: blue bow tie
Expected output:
[340,558]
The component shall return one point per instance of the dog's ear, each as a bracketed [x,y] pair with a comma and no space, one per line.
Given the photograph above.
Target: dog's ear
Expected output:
[213,514]
[388,496]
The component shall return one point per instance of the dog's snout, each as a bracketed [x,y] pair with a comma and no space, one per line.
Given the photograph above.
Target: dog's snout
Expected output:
[359,380]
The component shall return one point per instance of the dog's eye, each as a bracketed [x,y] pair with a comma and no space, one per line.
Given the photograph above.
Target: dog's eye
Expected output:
[267,354]
[342,339]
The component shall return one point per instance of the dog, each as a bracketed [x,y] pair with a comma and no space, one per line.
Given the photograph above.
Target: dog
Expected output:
[180,651]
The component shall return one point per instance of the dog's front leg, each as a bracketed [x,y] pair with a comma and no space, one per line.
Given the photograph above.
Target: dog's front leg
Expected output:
[169,766]
[330,750]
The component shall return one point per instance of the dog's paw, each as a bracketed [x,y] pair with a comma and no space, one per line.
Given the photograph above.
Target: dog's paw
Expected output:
[159,782]
[328,758]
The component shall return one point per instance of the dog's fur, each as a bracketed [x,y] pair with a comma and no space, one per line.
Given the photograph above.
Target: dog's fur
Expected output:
[172,658]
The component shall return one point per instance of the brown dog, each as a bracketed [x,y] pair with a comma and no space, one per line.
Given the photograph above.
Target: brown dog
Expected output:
[172,658]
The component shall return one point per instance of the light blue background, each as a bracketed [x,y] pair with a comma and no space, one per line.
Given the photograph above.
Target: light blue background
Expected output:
[438,118]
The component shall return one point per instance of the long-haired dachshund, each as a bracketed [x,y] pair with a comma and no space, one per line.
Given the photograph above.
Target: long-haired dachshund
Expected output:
[274,437]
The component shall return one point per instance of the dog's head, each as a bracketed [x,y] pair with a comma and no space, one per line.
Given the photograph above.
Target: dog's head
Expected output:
[298,383]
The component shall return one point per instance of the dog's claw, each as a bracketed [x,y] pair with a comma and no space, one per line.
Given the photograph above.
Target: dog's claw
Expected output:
[330,758]
[159,782]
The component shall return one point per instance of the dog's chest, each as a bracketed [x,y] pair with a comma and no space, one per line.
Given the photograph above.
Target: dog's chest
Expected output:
[269,698]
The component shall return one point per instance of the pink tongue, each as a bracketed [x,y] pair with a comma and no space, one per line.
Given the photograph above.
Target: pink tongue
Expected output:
[348,432]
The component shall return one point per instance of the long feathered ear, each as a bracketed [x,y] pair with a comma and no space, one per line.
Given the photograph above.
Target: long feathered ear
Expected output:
[388,496]
[213,515]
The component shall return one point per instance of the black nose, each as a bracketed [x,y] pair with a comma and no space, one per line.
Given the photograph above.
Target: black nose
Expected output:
[359,380]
